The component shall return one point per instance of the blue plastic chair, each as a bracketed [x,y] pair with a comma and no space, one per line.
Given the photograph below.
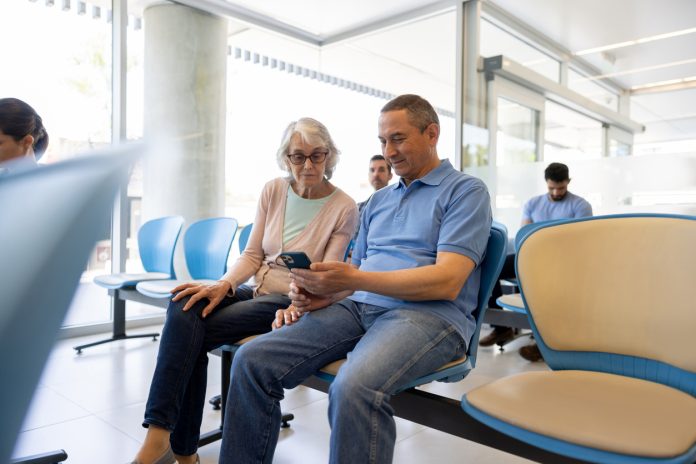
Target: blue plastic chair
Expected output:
[156,243]
[51,219]
[606,302]
[207,245]
[244,237]
[456,370]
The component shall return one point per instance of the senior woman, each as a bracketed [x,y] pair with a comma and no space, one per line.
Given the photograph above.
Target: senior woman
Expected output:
[302,212]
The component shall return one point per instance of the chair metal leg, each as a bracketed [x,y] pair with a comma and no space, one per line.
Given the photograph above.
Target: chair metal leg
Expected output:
[216,401]
[119,328]
[43,458]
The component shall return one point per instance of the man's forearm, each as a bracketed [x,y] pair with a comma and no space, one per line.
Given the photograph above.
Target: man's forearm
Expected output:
[440,281]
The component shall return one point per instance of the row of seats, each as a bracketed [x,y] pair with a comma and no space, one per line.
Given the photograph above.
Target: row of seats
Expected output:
[614,327]
[207,244]
[616,331]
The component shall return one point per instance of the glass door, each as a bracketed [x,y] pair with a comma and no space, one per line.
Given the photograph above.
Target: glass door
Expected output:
[516,116]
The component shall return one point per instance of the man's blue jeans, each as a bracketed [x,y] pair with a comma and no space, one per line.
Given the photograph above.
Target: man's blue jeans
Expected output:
[388,348]
[177,392]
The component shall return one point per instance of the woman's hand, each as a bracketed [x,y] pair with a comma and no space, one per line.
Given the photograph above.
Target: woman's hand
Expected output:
[304,301]
[213,292]
[287,316]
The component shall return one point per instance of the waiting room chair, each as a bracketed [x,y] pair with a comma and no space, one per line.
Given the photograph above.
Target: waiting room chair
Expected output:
[244,237]
[460,368]
[50,221]
[156,243]
[513,301]
[450,372]
[207,245]
[608,303]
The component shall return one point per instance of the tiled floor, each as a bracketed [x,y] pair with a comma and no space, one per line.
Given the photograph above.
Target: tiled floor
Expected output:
[92,405]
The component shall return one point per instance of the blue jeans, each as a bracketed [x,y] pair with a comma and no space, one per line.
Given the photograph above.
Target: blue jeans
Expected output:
[177,392]
[388,348]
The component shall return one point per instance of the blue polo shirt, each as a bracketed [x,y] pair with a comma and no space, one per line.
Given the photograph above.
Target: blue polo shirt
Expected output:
[404,227]
[543,208]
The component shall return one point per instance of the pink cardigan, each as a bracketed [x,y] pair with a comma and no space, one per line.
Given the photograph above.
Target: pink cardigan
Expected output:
[325,238]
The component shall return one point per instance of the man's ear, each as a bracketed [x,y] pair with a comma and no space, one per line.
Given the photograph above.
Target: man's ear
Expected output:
[433,132]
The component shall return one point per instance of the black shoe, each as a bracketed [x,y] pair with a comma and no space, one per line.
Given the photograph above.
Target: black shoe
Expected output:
[500,335]
[531,353]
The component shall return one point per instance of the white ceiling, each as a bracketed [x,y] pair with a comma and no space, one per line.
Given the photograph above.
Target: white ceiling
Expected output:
[576,25]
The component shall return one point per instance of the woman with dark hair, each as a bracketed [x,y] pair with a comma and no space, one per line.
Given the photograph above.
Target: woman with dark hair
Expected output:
[22,134]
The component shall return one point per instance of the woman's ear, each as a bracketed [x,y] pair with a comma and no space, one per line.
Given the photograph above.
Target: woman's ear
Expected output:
[27,143]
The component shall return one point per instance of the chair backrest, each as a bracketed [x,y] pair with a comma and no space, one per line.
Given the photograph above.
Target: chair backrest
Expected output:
[156,243]
[491,266]
[611,294]
[207,245]
[527,229]
[51,218]
[244,237]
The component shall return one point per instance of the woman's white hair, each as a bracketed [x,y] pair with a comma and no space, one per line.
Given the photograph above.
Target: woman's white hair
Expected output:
[313,132]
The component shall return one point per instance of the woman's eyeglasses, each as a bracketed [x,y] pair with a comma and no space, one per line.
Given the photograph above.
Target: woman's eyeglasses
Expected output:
[300,158]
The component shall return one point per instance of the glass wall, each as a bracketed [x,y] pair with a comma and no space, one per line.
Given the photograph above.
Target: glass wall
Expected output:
[590,88]
[570,135]
[496,41]
[516,133]
[272,81]
[70,87]
[65,74]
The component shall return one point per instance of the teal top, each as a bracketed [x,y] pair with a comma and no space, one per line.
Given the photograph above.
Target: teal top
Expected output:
[299,212]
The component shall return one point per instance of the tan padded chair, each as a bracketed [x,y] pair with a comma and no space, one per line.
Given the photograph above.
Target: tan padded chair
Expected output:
[609,307]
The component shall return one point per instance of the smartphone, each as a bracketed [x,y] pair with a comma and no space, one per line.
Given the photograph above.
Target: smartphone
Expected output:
[295,259]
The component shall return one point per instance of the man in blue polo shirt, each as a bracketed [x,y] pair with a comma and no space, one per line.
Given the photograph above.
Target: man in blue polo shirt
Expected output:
[402,309]
[557,204]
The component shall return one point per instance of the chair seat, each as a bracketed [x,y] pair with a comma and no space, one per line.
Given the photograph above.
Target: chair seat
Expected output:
[453,371]
[163,288]
[116,281]
[332,368]
[597,410]
[512,301]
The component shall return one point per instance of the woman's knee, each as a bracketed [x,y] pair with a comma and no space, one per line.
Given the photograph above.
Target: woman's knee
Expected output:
[175,310]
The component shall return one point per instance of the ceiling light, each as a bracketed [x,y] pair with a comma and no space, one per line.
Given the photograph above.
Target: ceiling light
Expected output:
[668,82]
[636,41]
[636,70]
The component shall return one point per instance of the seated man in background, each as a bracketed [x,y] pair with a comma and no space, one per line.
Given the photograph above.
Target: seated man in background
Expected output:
[557,204]
[379,175]
[405,312]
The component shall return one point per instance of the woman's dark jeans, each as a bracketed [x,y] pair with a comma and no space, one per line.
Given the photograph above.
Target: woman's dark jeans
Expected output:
[177,392]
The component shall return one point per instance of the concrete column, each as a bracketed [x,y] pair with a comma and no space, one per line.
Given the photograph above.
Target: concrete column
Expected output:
[184,114]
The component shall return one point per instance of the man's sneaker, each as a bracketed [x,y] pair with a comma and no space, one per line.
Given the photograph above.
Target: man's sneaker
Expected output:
[531,353]
[499,335]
